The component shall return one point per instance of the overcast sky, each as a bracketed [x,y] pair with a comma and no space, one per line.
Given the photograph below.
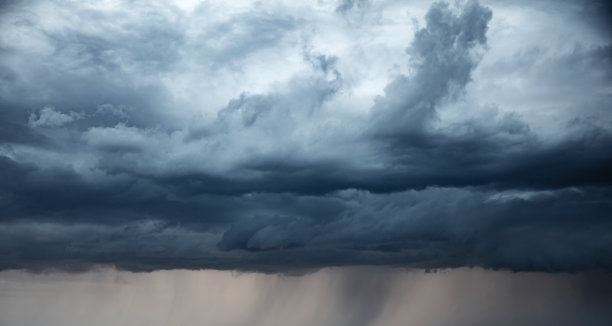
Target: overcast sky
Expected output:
[284,135]
[345,148]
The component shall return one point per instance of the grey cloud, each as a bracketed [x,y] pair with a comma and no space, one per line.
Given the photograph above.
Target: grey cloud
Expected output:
[49,117]
[551,231]
[279,110]
[15,129]
[324,62]
[554,70]
[268,232]
[446,51]
[241,35]
[98,61]
[347,5]
[281,179]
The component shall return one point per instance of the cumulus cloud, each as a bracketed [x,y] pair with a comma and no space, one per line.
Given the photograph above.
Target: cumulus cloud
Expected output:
[446,52]
[48,117]
[246,142]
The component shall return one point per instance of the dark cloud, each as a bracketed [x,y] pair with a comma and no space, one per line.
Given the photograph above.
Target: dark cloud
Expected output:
[98,166]
[563,230]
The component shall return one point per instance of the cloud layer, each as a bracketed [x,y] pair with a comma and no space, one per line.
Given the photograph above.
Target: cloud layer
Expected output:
[247,137]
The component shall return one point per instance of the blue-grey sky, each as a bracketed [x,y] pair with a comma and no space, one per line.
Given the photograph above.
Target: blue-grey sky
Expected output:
[287,136]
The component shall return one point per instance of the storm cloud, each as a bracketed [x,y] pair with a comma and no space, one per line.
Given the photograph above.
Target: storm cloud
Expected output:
[247,137]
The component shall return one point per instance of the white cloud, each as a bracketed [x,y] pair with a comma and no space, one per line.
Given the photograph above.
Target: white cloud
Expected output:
[49,117]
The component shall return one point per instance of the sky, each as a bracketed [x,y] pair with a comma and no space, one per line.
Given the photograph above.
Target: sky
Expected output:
[307,139]
[346,296]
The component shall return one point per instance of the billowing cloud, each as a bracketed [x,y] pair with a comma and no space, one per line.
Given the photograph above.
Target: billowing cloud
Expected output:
[253,139]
